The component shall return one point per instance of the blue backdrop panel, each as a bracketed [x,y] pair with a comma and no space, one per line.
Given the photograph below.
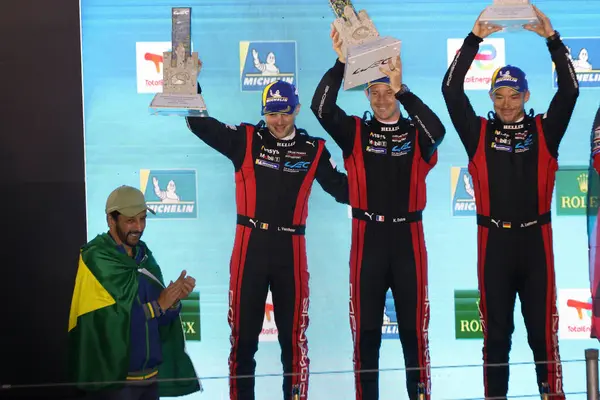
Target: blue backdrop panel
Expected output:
[122,44]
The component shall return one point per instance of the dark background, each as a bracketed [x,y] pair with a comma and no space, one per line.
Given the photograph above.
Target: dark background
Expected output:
[42,195]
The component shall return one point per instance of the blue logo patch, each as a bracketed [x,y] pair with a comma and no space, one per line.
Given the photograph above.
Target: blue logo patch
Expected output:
[267,163]
[402,150]
[262,63]
[463,192]
[296,166]
[170,193]
[585,56]
[525,145]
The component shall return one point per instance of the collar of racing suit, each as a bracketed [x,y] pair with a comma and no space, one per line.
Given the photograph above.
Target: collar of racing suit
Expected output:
[288,137]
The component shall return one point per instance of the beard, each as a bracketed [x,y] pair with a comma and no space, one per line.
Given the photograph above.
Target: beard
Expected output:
[131,238]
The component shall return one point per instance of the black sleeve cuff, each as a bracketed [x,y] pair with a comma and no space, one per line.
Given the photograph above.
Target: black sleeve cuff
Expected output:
[339,66]
[554,43]
[473,40]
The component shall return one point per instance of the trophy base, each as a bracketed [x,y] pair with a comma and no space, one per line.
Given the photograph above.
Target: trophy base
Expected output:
[509,17]
[363,61]
[177,104]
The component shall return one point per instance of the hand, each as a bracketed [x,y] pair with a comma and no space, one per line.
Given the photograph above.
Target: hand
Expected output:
[543,28]
[199,65]
[170,295]
[188,284]
[336,43]
[483,30]
[353,28]
[155,181]
[394,72]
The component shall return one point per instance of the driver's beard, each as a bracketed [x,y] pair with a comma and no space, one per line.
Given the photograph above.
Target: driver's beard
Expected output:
[124,237]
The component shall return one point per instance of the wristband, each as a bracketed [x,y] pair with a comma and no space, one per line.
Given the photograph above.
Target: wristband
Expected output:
[553,37]
[403,89]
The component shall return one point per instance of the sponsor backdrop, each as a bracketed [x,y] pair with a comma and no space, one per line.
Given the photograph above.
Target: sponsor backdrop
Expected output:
[244,46]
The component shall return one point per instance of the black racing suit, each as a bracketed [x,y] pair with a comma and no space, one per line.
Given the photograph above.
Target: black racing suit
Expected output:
[273,183]
[513,169]
[593,198]
[387,165]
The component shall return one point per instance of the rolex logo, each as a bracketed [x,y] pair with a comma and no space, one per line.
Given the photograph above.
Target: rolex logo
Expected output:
[582,181]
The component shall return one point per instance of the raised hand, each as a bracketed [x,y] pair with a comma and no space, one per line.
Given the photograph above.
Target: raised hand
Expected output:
[394,72]
[483,29]
[336,43]
[543,28]
[354,28]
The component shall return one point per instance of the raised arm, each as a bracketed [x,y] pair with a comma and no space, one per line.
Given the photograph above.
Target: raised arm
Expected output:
[595,141]
[228,140]
[331,180]
[462,115]
[431,128]
[557,118]
[332,118]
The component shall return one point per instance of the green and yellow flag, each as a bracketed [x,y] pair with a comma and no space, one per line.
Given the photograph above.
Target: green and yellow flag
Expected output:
[99,322]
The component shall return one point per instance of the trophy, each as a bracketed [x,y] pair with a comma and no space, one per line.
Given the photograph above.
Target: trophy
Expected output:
[180,72]
[509,14]
[363,49]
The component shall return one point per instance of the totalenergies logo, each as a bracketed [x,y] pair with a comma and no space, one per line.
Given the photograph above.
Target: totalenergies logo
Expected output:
[484,59]
[156,59]
[580,306]
[269,309]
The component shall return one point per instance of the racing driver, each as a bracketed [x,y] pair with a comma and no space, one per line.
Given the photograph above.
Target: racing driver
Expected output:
[387,158]
[513,161]
[275,165]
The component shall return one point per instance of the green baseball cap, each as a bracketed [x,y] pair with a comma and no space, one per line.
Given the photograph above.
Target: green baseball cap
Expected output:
[128,201]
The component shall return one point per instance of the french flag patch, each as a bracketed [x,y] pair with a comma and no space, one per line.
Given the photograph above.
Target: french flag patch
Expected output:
[379,218]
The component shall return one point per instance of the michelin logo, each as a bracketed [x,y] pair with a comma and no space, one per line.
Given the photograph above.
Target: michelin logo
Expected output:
[262,63]
[463,194]
[171,194]
[584,54]
[389,327]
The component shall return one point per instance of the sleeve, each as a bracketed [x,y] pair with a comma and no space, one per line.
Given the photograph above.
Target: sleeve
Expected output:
[332,118]
[171,314]
[228,140]
[153,310]
[464,119]
[595,142]
[428,122]
[558,116]
[331,180]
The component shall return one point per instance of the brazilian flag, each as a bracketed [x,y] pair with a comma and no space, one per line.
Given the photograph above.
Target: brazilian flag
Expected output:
[99,323]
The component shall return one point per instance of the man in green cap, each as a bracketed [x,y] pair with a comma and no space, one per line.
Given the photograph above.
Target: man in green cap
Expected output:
[125,333]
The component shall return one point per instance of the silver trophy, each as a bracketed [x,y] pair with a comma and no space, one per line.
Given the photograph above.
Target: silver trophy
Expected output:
[509,14]
[180,72]
[363,49]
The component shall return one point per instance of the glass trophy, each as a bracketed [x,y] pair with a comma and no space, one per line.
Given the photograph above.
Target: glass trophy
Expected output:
[509,14]
[180,95]
[363,49]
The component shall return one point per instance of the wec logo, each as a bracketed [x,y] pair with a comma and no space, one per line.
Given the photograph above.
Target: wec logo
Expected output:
[303,165]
